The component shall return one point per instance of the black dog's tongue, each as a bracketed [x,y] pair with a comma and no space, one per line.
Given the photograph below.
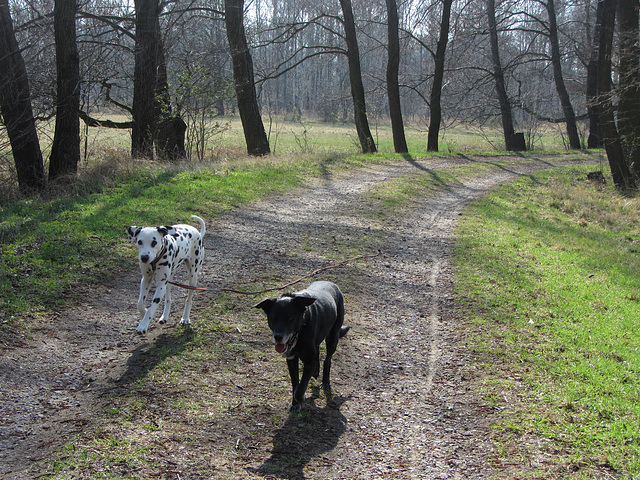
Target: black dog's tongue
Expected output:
[280,347]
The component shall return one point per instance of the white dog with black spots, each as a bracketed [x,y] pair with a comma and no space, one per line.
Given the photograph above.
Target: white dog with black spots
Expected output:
[161,250]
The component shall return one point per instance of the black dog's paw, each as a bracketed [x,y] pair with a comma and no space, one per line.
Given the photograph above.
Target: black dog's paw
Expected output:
[295,408]
[327,388]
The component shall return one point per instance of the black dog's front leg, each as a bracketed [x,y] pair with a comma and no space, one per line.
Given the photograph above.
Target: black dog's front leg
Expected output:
[295,380]
[299,388]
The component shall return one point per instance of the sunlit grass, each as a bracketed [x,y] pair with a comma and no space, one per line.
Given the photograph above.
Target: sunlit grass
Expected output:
[548,273]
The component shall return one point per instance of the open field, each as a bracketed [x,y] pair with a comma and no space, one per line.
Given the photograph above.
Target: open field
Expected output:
[490,342]
[225,137]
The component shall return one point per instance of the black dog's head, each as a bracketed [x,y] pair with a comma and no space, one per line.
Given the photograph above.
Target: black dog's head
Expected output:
[286,317]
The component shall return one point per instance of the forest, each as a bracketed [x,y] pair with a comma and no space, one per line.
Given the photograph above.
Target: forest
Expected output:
[166,70]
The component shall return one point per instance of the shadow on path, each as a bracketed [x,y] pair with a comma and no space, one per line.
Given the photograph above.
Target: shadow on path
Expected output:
[147,356]
[303,437]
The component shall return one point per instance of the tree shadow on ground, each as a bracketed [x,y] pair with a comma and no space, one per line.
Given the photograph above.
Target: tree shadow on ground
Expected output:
[149,355]
[303,437]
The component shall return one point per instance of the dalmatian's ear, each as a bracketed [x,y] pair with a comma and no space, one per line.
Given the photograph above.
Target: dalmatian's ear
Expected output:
[163,230]
[133,232]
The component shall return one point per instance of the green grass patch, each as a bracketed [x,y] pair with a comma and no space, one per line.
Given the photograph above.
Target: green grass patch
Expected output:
[105,457]
[548,276]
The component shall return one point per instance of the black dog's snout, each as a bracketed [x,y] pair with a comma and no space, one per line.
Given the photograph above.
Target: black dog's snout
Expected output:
[144,258]
[278,338]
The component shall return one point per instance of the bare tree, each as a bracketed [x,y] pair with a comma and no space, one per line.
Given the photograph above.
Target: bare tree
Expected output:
[438,78]
[244,82]
[561,88]
[595,138]
[17,113]
[147,52]
[65,151]
[498,75]
[620,172]
[629,92]
[393,86]
[355,77]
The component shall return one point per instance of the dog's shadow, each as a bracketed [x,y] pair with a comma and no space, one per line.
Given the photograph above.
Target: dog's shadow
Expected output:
[149,355]
[303,437]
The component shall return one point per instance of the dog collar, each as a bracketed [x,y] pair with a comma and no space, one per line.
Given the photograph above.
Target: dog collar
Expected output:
[159,256]
[293,340]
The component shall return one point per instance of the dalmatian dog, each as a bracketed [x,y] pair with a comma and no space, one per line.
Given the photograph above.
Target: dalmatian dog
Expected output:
[161,250]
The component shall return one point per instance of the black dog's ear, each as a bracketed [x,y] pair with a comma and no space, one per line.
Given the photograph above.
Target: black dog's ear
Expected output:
[266,305]
[163,230]
[301,303]
[133,232]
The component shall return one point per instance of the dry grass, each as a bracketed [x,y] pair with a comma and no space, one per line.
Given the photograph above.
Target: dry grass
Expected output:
[105,154]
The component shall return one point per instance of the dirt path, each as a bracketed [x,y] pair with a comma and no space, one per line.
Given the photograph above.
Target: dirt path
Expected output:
[404,405]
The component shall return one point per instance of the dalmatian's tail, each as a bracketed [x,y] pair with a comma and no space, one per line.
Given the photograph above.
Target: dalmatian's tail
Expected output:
[202,229]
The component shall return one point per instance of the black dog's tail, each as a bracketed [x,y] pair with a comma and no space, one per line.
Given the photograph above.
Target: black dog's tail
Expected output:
[343,331]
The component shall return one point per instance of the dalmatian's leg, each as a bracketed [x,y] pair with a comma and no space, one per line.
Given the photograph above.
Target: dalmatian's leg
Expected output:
[167,305]
[151,311]
[193,281]
[145,286]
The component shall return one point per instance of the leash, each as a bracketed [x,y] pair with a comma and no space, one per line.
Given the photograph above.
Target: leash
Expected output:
[315,272]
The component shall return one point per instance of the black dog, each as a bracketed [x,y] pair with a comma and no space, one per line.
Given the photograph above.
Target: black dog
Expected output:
[300,321]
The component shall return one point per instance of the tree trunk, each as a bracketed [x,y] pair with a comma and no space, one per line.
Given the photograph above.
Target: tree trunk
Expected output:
[15,103]
[169,130]
[145,78]
[65,151]
[619,169]
[162,100]
[438,76]
[629,94]
[556,61]
[254,133]
[393,86]
[498,74]
[595,137]
[355,77]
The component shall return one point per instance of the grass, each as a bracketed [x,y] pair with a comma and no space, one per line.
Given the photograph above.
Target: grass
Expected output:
[308,135]
[321,137]
[548,275]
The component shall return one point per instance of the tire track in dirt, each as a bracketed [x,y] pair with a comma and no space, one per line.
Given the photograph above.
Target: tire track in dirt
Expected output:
[402,377]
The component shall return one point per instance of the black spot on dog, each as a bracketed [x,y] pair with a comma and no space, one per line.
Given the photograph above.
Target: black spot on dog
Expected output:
[156,300]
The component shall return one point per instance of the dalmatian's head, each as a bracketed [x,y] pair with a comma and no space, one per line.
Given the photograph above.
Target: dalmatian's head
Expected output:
[149,240]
